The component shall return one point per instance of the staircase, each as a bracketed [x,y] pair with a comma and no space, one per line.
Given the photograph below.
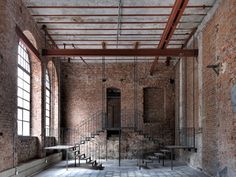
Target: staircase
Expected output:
[87,147]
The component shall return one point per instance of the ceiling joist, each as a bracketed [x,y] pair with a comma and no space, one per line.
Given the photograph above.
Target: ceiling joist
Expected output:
[173,21]
[113,7]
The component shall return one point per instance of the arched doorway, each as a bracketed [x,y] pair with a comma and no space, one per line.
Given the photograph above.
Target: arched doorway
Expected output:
[113,108]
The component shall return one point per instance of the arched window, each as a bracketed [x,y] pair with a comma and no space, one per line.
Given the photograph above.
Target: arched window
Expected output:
[48,104]
[23,91]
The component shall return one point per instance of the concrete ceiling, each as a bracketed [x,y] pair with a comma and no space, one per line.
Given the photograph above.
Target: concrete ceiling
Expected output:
[73,22]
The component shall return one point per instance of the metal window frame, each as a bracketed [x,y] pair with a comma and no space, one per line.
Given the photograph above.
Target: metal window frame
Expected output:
[49,89]
[29,73]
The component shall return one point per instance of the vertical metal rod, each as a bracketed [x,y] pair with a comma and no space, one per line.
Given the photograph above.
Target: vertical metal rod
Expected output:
[119,147]
[193,96]
[66,159]
[106,148]
[172,152]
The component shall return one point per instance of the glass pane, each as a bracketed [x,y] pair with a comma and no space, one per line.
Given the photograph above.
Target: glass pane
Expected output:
[26,128]
[47,131]
[26,96]
[19,102]
[26,115]
[47,121]
[26,105]
[27,78]
[19,127]
[47,113]
[27,87]
[47,107]
[19,114]
[20,92]
[20,73]
[47,93]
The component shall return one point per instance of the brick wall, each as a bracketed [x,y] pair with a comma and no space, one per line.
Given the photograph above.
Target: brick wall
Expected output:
[27,148]
[219,46]
[82,93]
[210,104]
[12,13]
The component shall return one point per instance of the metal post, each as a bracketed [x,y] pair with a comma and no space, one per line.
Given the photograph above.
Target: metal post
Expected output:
[119,147]
[66,159]
[172,152]
[106,148]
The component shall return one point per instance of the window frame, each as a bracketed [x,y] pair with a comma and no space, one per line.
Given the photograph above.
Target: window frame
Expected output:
[49,89]
[29,73]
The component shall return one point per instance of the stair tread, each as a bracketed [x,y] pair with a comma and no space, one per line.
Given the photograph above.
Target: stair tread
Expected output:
[93,161]
[79,155]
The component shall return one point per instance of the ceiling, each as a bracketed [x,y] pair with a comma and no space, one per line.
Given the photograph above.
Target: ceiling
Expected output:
[119,23]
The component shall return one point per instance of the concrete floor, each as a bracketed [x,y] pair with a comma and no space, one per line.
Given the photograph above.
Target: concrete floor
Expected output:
[128,168]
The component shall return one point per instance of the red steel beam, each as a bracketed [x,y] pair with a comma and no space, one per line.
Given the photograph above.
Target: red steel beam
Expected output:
[110,23]
[114,7]
[111,15]
[120,52]
[112,34]
[27,42]
[68,40]
[112,29]
[173,21]
[92,44]
[44,28]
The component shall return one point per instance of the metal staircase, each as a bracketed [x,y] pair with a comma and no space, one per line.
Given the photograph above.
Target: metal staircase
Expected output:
[87,148]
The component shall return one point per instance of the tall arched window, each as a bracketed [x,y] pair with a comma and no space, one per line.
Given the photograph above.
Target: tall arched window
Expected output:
[48,104]
[23,91]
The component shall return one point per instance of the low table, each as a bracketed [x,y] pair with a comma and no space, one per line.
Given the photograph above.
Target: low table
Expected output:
[61,147]
[172,148]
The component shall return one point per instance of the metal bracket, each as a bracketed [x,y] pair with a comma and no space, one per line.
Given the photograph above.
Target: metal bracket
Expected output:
[215,67]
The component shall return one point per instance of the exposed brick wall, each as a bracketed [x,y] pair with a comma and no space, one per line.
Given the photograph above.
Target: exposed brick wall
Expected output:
[211,102]
[219,46]
[27,148]
[11,13]
[81,93]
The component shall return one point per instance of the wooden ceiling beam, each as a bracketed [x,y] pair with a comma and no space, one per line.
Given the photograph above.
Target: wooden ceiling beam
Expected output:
[173,21]
[120,52]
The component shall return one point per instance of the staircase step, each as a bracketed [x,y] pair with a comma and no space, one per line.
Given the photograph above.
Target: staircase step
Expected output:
[88,159]
[80,155]
[99,166]
[93,162]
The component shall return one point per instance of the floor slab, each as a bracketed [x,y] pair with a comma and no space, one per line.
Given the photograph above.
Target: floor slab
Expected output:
[128,168]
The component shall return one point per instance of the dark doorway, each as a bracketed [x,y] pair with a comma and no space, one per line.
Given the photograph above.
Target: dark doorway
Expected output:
[113,108]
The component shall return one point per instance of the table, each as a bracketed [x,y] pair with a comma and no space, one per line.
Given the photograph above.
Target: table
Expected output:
[61,147]
[172,148]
